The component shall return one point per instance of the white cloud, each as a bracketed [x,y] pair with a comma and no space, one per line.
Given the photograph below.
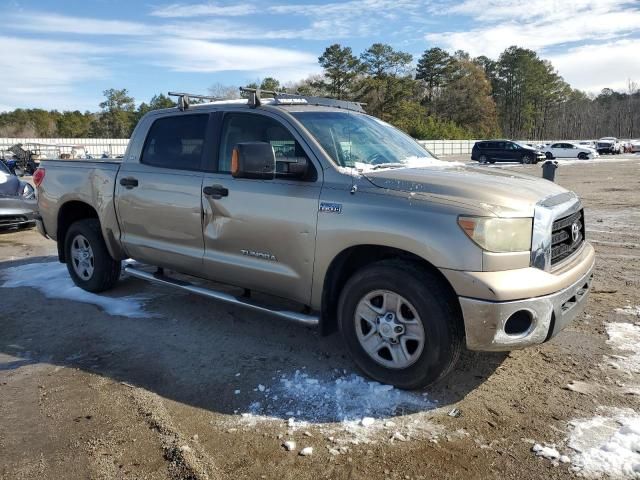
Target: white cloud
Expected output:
[594,67]
[44,72]
[186,10]
[192,55]
[495,10]
[54,23]
[599,33]
[491,40]
[354,18]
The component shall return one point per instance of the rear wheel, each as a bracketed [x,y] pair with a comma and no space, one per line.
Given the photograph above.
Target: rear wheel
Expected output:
[400,324]
[89,263]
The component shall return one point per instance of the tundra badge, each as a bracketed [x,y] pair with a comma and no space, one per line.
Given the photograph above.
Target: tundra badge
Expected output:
[327,207]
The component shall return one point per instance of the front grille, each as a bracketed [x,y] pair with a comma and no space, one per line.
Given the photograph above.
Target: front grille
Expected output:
[563,244]
[604,145]
[7,220]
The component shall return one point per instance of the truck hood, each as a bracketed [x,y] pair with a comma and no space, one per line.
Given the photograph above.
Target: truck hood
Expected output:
[500,191]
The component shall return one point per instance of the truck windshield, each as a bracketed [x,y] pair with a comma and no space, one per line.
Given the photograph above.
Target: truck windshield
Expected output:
[363,142]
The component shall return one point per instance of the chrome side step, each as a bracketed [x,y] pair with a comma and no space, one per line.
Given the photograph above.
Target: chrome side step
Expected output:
[308,320]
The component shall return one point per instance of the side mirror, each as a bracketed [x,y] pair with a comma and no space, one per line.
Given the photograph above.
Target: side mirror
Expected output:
[253,160]
[293,167]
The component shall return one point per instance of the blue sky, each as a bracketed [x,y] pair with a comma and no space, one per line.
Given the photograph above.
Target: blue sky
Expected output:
[62,54]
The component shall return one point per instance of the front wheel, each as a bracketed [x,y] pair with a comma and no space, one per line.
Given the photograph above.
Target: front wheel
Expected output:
[400,324]
[89,263]
[549,155]
[583,156]
[527,159]
[483,159]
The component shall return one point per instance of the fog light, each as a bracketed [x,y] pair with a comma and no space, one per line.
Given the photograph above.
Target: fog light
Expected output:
[518,322]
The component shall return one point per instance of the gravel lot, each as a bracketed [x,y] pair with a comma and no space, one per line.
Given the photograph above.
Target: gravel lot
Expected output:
[190,388]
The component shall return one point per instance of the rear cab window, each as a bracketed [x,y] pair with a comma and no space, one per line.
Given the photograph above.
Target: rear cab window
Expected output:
[176,142]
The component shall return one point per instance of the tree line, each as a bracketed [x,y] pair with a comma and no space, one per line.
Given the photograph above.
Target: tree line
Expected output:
[117,118]
[518,95]
[444,95]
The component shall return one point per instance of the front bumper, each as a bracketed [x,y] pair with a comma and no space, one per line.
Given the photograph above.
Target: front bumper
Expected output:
[485,320]
[17,213]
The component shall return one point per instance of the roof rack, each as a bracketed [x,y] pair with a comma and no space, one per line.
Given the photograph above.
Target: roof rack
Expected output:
[184,99]
[283,98]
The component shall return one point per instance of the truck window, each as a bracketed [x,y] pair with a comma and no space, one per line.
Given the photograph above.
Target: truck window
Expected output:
[176,142]
[248,127]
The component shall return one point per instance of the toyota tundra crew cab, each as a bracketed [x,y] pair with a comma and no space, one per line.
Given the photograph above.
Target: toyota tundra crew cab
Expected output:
[353,224]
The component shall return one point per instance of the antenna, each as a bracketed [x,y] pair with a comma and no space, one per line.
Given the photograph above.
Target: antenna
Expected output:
[184,99]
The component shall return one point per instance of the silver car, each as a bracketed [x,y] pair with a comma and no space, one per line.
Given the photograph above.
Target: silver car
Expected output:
[18,204]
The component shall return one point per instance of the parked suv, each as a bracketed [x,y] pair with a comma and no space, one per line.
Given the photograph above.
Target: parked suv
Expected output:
[609,145]
[492,151]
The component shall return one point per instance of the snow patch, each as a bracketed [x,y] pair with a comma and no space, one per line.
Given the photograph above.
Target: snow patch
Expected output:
[626,337]
[410,162]
[306,451]
[607,445]
[547,451]
[52,279]
[629,310]
[562,162]
[346,408]
[336,399]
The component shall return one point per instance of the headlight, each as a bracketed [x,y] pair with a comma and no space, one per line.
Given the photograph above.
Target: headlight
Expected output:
[498,234]
[28,192]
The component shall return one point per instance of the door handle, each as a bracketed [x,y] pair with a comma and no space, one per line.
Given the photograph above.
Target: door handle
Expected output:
[129,182]
[215,191]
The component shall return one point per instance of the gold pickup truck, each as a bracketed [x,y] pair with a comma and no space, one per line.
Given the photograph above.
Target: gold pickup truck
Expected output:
[347,218]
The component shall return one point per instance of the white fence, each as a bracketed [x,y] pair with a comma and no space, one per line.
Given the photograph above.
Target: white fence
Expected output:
[117,146]
[448,147]
[52,147]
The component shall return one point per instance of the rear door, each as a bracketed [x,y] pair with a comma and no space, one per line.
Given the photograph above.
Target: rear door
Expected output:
[500,152]
[158,198]
[490,150]
[261,234]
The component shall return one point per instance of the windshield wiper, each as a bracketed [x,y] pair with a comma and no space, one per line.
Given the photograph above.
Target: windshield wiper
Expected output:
[387,165]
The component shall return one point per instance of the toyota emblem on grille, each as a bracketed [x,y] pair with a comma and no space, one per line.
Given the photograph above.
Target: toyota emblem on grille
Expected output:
[575,232]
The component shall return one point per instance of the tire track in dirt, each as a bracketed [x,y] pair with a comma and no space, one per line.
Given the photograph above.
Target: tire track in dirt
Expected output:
[187,459]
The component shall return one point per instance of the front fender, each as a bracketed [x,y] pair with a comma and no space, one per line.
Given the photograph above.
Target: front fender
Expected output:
[427,229]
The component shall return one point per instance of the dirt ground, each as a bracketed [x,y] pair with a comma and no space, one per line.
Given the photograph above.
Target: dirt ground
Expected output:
[85,394]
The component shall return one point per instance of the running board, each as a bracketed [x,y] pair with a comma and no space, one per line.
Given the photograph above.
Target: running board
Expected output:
[308,320]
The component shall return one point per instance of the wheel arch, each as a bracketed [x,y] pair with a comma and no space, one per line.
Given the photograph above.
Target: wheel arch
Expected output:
[68,214]
[353,258]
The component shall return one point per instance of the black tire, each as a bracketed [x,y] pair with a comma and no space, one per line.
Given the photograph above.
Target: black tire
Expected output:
[437,310]
[549,155]
[527,159]
[582,156]
[483,159]
[106,270]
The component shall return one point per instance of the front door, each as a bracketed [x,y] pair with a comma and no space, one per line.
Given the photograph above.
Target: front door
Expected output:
[159,197]
[512,152]
[261,234]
